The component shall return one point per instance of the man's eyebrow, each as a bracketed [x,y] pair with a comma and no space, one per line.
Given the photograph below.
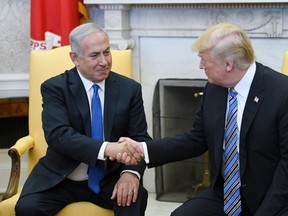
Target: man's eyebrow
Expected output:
[94,53]
[200,55]
[97,52]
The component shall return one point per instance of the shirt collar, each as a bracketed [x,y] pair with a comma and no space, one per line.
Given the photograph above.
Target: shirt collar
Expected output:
[243,86]
[88,83]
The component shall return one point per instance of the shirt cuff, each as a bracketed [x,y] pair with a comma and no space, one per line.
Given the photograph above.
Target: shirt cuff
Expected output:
[146,156]
[132,171]
[101,154]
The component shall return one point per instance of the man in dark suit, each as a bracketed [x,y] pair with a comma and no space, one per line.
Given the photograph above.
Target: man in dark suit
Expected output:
[261,140]
[60,177]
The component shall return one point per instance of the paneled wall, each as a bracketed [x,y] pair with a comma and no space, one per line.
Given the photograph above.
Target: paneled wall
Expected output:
[14,47]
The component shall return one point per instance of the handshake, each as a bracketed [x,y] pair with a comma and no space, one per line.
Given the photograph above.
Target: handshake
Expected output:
[126,151]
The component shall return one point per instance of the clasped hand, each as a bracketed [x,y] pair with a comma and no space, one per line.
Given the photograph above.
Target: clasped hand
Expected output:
[125,151]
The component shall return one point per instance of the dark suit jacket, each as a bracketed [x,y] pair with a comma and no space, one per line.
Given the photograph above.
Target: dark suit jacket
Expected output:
[67,127]
[263,140]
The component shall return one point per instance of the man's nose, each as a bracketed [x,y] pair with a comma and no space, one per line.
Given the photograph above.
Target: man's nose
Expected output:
[103,60]
[201,65]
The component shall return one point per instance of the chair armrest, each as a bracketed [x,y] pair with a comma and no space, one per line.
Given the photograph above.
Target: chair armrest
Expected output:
[15,153]
[285,63]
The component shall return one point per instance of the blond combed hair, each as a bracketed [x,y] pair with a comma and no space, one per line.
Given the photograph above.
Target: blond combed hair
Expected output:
[226,41]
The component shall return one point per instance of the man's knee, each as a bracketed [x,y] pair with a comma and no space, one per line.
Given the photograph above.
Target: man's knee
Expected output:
[143,197]
[176,212]
[143,193]
[25,207]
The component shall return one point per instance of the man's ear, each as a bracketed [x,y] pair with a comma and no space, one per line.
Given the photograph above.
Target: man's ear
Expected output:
[229,64]
[74,58]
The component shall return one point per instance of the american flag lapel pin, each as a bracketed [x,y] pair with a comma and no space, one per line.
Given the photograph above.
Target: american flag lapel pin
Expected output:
[256,99]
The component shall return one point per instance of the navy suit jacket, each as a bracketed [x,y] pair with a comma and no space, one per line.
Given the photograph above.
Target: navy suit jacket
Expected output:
[67,127]
[263,140]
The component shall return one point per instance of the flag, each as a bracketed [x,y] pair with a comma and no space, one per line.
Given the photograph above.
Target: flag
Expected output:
[52,21]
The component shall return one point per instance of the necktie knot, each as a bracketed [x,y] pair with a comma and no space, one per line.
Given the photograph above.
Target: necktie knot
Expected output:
[232,92]
[95,88]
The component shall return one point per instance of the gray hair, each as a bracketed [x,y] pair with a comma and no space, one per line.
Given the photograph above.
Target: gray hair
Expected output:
[78,33]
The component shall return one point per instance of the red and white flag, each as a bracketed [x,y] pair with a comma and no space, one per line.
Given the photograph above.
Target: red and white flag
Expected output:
[52,21]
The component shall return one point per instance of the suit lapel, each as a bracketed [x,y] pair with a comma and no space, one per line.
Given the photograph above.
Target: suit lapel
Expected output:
[220,100]
[253,103]
[79,94]
[111,97]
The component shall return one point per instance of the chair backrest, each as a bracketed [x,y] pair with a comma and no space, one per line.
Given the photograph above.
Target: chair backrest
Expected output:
[45,64]
[285,63]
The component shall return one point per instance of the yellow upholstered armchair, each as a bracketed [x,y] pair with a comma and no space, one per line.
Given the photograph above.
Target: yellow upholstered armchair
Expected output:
[44,65]
[285,63]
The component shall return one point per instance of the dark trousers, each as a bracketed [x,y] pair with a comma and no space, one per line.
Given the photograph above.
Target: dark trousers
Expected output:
[51,201]
[210,203]
[207,203]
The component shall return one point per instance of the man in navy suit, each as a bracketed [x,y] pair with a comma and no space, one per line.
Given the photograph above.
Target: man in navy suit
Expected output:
[228,59]
[60,177]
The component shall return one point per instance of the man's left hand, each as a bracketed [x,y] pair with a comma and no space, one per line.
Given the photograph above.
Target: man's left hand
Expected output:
[126,189]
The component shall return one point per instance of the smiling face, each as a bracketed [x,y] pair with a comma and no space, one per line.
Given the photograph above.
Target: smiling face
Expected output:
[94,61]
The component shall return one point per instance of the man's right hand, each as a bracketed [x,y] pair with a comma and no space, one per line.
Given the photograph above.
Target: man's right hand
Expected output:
[125,151]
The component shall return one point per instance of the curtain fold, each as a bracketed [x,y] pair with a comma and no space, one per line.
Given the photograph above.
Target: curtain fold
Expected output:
[52,21]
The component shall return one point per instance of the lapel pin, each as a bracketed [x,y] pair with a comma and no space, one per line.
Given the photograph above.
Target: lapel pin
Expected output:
[256,99]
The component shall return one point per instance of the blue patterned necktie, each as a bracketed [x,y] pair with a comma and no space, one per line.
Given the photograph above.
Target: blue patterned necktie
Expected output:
[232,199]
[96,173]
